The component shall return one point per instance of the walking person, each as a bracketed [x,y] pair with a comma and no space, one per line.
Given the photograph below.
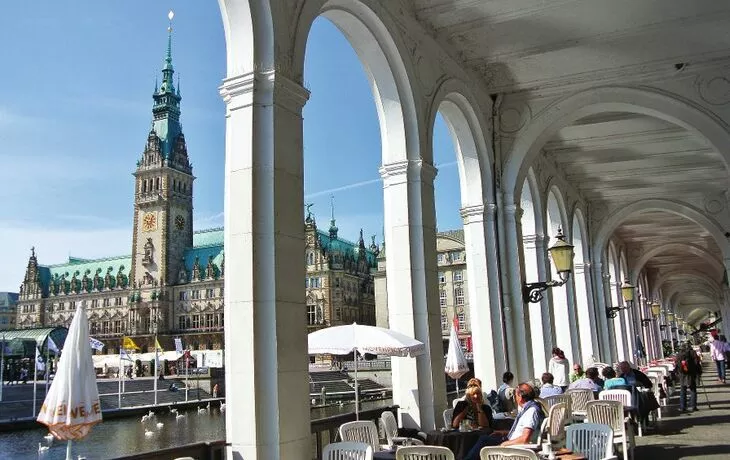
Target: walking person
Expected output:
[559,367]
[717,353]
[690,371]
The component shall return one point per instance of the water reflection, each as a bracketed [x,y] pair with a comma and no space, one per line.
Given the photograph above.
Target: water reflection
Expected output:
[120,437]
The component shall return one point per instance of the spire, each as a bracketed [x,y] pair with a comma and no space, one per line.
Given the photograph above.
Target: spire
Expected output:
[333,227]
[166,107]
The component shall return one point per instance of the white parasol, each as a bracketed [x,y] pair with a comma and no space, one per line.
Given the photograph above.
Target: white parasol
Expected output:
[72,405]
[354,338]
[456,364]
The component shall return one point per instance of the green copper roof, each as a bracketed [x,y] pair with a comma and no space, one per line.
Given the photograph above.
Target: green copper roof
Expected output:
[166,108]
[211,236]
[79,267]
[344,247]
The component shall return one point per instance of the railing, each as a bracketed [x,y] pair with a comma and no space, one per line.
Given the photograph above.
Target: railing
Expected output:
[324,431]
[379,364]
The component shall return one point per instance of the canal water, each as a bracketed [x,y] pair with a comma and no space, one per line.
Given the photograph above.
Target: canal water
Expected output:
[120,437]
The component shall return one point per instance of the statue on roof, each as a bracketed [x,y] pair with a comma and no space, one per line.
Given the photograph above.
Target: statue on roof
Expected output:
[108,280]
[182,274]
[196,269]
[85,281]
[210,268]
[96,282]
[121,278]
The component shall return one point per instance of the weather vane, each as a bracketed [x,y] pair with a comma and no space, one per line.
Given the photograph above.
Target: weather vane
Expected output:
[170,15]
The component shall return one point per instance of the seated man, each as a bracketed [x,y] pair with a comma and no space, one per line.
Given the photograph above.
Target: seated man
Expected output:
[505,393]
[591,381]
[525,428]
[547,388]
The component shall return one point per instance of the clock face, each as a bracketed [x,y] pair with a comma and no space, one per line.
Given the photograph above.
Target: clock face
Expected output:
[179,222]
[149,222]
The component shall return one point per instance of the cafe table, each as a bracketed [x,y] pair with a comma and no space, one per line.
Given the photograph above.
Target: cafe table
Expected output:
[459,442]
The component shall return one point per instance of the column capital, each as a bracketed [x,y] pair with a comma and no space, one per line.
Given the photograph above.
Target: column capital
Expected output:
[259,86]
[472,214]
[400,171]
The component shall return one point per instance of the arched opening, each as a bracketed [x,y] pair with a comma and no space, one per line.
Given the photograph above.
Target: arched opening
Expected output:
[587,326]
[618,335]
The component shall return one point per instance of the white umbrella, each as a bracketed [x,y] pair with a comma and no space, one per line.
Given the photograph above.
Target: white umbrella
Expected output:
[72,405]
[456,364]
[354,338]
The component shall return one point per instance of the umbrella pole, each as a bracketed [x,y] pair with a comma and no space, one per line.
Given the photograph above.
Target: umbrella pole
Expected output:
[68,450]
[35,379]
[457,387]
[119,376]
[357,392]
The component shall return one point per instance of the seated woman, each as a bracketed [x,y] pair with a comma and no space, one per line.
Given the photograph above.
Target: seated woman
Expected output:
[472,409]
[611,380]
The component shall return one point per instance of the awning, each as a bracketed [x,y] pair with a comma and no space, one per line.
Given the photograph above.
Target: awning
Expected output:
[22,342]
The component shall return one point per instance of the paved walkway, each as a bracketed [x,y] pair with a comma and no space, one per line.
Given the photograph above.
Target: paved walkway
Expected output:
[704,434]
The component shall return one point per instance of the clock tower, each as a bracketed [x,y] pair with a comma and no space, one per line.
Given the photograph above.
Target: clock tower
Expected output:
[163,198]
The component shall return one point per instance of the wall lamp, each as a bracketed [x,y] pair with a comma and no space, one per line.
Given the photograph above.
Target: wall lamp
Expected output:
[655,310]
[562,254]
[627,292]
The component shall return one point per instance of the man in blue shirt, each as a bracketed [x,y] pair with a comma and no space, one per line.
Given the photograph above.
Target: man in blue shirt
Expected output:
[525,428]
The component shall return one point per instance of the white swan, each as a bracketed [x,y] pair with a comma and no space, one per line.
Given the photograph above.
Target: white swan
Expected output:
[48,438]
[173,410]
[178,416]
[223,407]
[42,448]
[160,424]
[150,414]
[148,433]
[202,410]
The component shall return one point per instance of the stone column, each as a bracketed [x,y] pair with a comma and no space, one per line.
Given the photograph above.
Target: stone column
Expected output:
[486,323]
[267,415]
[586,316]
[602,325]
[419,385]
[532,247]
[546,313]
[519,340]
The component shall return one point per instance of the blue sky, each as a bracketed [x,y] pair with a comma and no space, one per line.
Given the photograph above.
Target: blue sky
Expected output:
[75,110]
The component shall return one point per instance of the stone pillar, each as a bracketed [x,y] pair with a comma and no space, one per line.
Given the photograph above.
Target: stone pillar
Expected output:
[602,303]
[532,248]
[585,312]
[267,416]
[419,385]
[518,335]
[486,321]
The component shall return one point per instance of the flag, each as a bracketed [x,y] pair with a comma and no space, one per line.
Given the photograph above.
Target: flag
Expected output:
[52,345]
[158,346]
[125,356]
[128,344]
[178,345]
[96,344]
[39,364]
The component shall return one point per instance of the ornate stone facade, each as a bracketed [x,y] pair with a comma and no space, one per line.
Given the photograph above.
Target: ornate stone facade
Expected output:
[173,282]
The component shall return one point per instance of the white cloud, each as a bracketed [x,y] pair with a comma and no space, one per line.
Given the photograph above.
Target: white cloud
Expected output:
[53,246]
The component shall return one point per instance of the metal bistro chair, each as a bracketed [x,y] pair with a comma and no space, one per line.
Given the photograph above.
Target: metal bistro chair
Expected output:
[424,453]
[592,440]
[579,397]
[347,451]
[611,413]
[390,426]
[361,431]
[507,453]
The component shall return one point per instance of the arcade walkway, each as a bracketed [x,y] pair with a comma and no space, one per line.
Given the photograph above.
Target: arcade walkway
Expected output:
[694,435]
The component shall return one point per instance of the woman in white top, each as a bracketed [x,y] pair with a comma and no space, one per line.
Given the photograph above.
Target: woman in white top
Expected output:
[718,347]
[560,368]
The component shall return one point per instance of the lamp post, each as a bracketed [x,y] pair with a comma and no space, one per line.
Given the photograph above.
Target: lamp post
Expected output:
[627,292]
[562,254]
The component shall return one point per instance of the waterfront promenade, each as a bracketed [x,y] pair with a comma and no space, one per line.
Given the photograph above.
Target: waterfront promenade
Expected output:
[17,401]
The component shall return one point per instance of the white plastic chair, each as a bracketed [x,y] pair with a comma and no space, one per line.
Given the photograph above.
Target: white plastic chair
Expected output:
[347,451]
[361,431]
[611,413]
[390,426]
[620,395]
[579,397]
[593,441]
[448,417]
[557,418]
[655,385]
[424,453]
[506,453]
[563,398]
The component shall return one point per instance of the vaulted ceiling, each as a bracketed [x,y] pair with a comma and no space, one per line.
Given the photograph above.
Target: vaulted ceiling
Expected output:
[611,158]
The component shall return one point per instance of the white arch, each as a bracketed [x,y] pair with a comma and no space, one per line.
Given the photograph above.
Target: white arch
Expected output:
[587,323]
[558,208]
[608,99]
[692,248]
[473,155]
[387,72]
[657,204]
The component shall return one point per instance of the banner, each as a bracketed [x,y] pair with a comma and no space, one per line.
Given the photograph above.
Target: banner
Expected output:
[39,363]
[178,345]
[158,346]
[52,345]
[128,344]
[96,344]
